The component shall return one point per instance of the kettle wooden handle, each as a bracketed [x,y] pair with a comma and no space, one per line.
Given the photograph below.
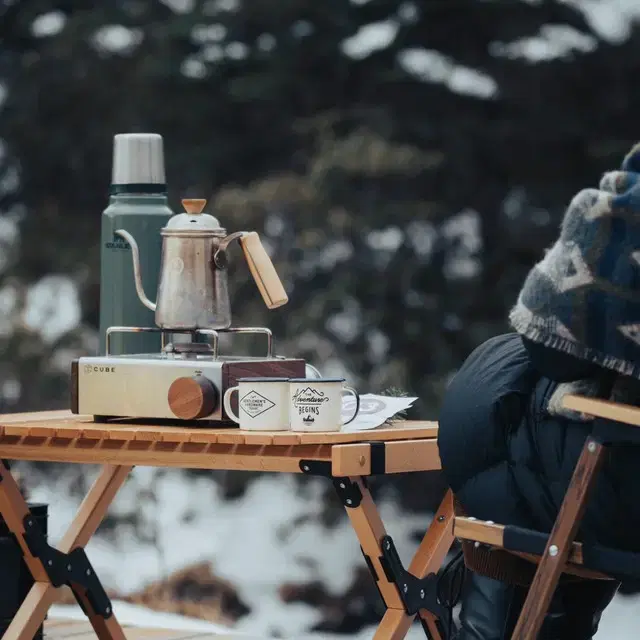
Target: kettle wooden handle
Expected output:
[263,271]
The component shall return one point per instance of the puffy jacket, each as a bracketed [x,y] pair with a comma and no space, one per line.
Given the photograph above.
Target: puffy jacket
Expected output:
[508,460]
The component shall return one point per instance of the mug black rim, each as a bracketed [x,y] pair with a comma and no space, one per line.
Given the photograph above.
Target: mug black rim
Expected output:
[316,380]
[262,380]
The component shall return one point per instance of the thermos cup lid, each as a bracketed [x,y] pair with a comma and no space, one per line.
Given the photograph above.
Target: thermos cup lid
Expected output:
[138,163]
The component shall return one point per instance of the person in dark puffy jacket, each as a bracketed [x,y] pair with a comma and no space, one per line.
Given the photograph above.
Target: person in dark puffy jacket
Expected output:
[508,448]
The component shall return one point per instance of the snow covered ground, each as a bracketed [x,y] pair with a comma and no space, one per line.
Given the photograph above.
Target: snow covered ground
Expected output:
[133,615]
[270,536]
[620,620]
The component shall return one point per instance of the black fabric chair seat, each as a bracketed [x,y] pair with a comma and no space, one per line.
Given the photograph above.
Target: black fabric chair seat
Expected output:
[619,565]
[610,432]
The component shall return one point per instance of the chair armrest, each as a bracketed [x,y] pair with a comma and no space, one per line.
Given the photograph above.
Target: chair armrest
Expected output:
[623,413]
[525,543]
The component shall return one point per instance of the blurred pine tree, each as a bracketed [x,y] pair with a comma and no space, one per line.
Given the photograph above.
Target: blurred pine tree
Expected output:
[405,162]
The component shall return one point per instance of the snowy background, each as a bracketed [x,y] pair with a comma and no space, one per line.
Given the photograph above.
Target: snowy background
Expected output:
[432,257]
[273,537]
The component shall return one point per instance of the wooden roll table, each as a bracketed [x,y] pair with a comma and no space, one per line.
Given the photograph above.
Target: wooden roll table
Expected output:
[346,458]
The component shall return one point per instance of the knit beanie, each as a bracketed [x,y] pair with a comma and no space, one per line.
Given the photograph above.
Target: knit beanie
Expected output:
[583,297]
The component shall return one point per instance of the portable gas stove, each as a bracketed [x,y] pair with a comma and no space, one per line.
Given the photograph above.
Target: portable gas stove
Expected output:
[185,381]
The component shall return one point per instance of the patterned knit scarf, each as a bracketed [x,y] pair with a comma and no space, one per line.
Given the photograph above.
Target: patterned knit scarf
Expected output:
[583,298]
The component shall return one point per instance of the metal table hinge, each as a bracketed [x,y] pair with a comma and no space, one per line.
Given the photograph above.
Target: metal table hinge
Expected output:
[348,491]
[378,457]
[316,468]
[415,593]
[71,569]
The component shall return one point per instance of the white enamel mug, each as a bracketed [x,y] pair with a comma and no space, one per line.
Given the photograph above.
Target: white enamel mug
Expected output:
[263,404]
[315,404]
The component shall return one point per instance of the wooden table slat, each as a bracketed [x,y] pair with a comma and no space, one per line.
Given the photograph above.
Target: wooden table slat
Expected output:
[40,416]
[64,425]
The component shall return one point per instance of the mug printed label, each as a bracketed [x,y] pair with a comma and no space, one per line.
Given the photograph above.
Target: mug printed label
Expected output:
[254,404]
[308,401]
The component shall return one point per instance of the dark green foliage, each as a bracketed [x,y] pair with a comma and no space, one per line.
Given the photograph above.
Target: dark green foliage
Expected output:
[277,120]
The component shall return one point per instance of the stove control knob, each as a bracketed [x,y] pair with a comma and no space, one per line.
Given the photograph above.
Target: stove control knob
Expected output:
[193,398]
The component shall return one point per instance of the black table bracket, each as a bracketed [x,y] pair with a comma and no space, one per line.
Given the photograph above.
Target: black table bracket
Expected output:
[72,569]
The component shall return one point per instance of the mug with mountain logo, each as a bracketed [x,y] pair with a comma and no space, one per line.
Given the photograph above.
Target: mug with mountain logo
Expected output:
[315,404]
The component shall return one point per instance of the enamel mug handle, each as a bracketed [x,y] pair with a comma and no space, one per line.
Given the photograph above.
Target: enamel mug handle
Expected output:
[226,401]
[354,393]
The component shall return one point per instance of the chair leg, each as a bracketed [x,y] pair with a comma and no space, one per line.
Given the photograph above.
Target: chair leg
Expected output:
[559,544]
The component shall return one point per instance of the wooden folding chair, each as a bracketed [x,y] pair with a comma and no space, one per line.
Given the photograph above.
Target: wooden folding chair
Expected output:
[558,552]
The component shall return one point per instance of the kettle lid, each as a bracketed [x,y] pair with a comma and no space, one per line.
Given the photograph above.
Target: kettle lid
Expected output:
[193,219]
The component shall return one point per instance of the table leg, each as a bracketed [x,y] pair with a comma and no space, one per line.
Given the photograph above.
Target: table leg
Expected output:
[68,565]
[432,552]
[405,593]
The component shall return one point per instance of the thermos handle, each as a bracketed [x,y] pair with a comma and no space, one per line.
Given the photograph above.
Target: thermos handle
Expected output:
[263,271]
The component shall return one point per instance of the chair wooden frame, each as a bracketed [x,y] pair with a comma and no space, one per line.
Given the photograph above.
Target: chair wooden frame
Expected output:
[347,459]
[561,553]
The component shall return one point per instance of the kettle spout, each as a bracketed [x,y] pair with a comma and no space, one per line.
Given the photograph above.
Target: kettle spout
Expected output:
[135,254]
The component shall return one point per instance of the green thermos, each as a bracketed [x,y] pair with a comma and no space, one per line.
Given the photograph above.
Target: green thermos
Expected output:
[137,203]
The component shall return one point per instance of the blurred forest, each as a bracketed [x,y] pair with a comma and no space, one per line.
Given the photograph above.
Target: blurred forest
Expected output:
[406,161]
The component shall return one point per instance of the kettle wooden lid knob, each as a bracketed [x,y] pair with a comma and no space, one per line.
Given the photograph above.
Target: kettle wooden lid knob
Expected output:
[194,205]
[192,398]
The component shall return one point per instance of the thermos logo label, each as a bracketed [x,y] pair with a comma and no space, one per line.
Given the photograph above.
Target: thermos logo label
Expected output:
[93,368]
[117,243]
[254,404]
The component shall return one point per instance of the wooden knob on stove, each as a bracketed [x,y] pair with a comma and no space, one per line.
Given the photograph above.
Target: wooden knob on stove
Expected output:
[192,398]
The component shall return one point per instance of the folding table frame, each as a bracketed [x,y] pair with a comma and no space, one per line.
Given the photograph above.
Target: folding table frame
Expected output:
[346,458]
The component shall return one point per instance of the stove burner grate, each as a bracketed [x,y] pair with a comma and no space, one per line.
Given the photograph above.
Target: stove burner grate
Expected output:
[191,347]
